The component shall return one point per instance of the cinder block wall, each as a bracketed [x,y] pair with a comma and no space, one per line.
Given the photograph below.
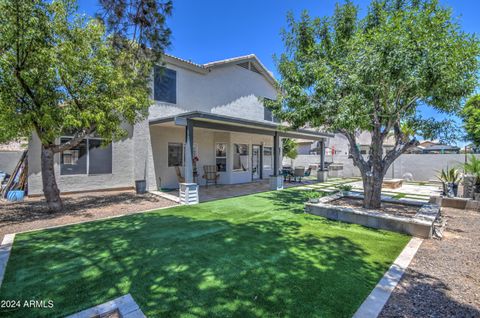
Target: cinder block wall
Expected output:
[9,160]
[423,167]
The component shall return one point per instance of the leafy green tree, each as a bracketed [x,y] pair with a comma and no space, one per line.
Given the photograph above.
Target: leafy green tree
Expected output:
[348,74]
[60,73]
[142,22]
[471,119]
[289,148]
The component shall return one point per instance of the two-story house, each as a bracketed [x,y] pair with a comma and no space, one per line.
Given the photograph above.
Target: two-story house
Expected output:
[209,114]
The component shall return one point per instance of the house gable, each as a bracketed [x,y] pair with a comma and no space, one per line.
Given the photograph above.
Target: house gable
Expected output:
[232,87]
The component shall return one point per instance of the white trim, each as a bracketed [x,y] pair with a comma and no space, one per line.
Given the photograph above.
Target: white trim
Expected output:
[5,249]
[183,153]
[260,164]
[374,303]
[126,306]
[233,157]
[270,167]
[87,139]
[226,155]
[176,87]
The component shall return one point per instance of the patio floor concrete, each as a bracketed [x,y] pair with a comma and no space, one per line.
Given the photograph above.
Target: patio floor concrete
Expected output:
[409,191]
[223,191]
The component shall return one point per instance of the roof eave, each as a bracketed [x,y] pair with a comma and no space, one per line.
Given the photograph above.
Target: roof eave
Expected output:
[238,121]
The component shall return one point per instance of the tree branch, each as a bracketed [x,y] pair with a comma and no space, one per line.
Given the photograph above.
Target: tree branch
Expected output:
[77,138]
[356,155]
[398,150]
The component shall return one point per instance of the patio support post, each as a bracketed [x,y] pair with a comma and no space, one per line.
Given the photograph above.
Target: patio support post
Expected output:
[322,155]
[189,152]
[322,173]
[276,180]
[189,190]
[276,153]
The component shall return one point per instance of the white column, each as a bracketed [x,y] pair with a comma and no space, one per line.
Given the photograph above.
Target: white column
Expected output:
[276,180]
[188,152]
[189,189]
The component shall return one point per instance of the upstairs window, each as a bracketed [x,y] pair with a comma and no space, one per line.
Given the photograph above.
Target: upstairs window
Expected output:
[267,113]
[165,85]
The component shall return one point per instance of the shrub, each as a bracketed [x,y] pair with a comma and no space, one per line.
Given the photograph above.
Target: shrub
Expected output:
[344,187]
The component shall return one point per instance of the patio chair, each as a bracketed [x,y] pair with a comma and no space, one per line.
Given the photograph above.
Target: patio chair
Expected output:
[180,178]
[211,174]
[308,172]
[287,174]
[299,172]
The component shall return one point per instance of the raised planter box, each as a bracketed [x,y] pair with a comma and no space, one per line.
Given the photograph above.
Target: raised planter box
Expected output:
[456,203]
[420,225]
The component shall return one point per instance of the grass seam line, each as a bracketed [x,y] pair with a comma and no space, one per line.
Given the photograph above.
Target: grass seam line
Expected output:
[374,303]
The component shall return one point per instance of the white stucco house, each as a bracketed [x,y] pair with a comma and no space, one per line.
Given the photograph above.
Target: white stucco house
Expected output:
[203,114]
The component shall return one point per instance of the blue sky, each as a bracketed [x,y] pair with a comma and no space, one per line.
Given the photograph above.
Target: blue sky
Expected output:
[208,30]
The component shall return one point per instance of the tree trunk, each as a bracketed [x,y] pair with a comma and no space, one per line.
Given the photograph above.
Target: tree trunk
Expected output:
[50,189]
[372,185]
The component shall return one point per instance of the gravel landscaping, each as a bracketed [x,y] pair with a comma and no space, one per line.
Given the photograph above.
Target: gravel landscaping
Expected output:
[32,213]
[443,279]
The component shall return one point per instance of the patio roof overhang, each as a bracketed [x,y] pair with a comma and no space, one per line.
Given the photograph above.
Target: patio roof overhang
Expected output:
[227,123]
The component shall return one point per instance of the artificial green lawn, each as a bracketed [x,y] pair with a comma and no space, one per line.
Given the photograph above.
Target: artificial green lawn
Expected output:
[250,256]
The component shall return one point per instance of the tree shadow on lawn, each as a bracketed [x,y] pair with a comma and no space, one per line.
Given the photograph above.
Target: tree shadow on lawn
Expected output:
[290,199]
[180,266]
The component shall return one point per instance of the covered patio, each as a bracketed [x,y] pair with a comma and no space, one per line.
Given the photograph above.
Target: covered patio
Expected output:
[240,151]
[224,191]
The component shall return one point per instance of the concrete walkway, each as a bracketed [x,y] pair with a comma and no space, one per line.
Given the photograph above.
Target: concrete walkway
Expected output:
[224,191]
[409,191]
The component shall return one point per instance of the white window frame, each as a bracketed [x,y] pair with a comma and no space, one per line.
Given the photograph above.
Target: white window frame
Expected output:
[248,155]
[194,154]
[226,154]
[87,139]
[267,167]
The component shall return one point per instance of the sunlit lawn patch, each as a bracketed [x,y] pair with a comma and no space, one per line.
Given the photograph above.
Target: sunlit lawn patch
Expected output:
[250,256]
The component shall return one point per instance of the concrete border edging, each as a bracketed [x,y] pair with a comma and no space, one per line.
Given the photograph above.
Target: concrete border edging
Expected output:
[5,249]
[126,306]
[419,225]
[374,303]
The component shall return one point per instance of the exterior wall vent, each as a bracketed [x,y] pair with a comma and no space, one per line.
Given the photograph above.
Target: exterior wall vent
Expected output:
[249,66]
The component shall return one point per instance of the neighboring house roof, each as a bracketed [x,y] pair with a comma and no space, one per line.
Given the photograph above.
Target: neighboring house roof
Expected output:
[222,122]
[427,143]
[441,147]
[258,66]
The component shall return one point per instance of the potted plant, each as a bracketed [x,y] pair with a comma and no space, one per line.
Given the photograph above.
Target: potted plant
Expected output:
[344,188]
[450,179]
[313,196]
[472,168]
